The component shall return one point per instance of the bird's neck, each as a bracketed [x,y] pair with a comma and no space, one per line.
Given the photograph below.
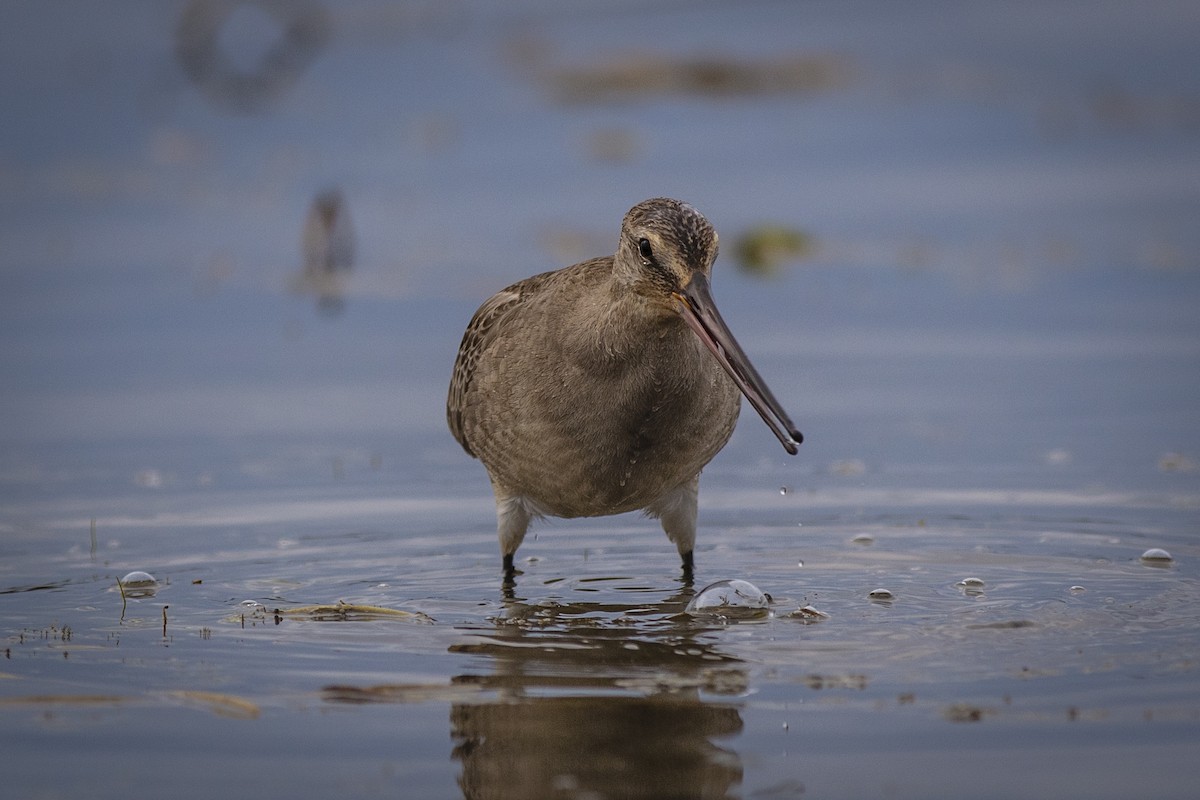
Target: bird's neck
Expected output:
[625,326]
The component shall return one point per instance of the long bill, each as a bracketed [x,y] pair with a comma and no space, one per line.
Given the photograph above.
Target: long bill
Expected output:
[700,312]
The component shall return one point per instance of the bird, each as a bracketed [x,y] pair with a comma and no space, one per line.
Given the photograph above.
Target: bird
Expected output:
[607,386]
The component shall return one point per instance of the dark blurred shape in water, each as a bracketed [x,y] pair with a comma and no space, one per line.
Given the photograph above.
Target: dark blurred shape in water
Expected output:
[328,248]
[633,747]
[636,76]
[247,83]
[765,249]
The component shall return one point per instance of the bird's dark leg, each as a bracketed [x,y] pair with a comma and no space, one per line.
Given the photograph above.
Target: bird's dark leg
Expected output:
[689,564]
[509,570]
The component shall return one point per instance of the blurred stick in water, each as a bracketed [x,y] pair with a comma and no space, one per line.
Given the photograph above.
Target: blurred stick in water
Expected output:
[328,248]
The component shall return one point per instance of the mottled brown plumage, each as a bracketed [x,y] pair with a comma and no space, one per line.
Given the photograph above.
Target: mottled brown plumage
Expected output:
[606,386]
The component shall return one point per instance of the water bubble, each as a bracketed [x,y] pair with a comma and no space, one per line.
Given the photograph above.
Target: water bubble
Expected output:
[139,584]
[799,563]
[1077,590]
[730,598]
[972,586]
[863,539]
[880,596]
[783,490]
[1157,556]
[138,579]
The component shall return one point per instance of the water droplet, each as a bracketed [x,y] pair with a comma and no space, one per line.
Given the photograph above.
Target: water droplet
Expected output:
[783,490]
[799,563]
[730,598]
[881,595]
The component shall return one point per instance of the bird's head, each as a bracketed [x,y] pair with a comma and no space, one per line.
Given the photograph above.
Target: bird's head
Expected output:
[664,243]
[666,255]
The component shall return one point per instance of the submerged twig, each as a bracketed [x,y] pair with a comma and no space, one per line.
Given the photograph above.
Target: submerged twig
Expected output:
[121,586]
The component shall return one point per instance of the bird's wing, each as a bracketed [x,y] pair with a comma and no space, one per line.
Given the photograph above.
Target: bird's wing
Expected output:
[480,333]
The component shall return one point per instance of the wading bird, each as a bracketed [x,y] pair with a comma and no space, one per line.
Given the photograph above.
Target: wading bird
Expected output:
[606,386]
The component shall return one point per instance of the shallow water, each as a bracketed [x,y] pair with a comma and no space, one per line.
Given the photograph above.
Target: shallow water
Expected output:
[989,340]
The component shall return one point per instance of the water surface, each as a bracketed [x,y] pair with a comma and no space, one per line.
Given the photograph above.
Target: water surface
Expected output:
[988,337]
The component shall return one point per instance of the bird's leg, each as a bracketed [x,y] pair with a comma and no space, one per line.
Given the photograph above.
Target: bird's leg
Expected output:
[689,564]
[677,511]
[512,520]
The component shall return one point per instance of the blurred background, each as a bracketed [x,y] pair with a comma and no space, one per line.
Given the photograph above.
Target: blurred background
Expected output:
[240,240]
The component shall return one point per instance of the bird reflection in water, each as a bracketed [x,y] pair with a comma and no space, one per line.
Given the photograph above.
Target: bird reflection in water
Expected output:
[592,702]
[328,248]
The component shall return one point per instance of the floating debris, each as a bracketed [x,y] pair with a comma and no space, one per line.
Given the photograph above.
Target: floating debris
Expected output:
[765,249]
[1175,462]
[848,467]
[966,712]
[221,704]
[342,611]
[730,598]
[807,615]
[1157,556]
[1003,625]
[634,76]
[836,681]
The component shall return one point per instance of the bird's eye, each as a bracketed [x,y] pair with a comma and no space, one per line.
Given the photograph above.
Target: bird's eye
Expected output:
[644,249]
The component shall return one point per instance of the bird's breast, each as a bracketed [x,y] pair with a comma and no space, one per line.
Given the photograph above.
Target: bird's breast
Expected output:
[606,428]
